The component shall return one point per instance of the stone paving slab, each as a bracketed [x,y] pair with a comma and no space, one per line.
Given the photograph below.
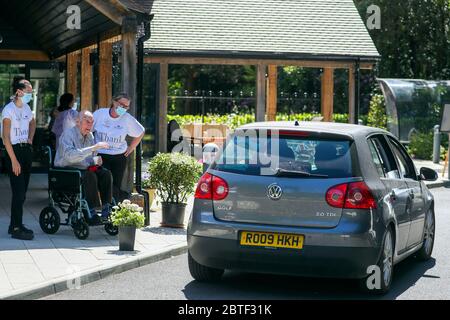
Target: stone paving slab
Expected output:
[32,269]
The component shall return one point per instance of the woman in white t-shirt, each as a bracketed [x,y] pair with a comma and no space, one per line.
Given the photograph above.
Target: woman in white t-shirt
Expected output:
[18,128]
[112,125]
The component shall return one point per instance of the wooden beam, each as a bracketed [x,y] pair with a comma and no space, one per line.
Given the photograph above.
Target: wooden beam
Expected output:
[23,55]
[86,80]
[162,109]
[238,61]
[327,94]
[261,92]
[112,9]
[129,62]
[272,91]
[351,95]
[72,73]
[129,81]
[105,74]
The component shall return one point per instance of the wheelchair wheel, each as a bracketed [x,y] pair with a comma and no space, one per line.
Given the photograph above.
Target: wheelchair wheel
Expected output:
[111,229]
[81,229]
[49,220]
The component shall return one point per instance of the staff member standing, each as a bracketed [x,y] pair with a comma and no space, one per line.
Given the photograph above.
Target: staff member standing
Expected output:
[18,128]
[112,125]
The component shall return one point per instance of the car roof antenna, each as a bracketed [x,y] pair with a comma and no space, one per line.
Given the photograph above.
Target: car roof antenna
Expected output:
[297,124]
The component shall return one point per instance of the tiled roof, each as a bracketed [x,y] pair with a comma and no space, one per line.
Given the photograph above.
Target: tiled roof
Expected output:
[266,27]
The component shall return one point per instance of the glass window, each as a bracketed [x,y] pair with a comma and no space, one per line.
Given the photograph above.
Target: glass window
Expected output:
[377,160]
[407,169]
[251,154]
[386,157]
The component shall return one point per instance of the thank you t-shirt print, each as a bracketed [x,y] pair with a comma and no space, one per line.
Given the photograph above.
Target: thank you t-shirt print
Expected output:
[20,122]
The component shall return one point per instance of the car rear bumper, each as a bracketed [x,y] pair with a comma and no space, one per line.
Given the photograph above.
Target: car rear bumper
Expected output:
[311,261]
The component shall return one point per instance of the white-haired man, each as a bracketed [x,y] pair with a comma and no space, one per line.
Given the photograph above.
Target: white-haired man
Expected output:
[77,149]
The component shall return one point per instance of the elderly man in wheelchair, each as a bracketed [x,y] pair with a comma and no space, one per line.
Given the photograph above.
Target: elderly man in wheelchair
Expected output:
[78,184]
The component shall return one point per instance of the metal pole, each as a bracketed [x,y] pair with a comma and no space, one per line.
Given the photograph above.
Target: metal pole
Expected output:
[357,91]
[437,144]
[448,161]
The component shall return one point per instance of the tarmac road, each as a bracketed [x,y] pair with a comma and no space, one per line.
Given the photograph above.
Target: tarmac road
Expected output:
[170,279]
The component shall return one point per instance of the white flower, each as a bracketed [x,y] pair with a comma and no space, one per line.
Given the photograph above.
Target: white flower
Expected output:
[126,202]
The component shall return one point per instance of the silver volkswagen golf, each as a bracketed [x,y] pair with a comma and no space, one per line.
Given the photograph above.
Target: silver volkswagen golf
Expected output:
[311,199]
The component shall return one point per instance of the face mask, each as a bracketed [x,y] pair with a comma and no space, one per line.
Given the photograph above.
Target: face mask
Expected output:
[121,111]
[27,97]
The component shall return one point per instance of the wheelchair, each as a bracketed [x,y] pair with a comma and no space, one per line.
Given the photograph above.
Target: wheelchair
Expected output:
[66,194]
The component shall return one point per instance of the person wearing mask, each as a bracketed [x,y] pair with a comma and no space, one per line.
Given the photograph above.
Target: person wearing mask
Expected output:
[113,125]
[18,129]
[67,115]
[77,150]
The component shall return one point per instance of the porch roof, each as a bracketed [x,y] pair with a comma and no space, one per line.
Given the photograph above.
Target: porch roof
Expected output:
[276,29]
[42,24]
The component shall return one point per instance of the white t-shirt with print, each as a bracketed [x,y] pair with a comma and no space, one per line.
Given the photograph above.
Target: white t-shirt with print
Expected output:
[20,121]
[114,131]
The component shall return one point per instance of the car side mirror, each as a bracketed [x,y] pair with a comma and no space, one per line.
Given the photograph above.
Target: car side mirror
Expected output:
[427,174]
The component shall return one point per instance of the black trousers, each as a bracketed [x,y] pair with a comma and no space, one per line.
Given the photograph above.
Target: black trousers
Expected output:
[95,183]
[117,165]
[19,184]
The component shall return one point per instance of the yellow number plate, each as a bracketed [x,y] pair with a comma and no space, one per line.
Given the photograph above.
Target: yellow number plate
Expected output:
[273,240]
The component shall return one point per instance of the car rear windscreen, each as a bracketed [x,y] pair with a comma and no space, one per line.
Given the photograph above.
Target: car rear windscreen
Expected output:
[287,155]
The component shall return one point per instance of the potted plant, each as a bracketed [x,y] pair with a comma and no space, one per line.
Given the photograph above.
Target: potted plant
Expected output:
[174,176]
[147,186]
[127,217]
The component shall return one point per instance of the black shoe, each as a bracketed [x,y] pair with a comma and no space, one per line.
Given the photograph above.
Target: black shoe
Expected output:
[24,229]
[20,234]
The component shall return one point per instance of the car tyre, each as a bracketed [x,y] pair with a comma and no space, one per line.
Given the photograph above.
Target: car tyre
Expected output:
[385,265]
[203,273]
[426,251]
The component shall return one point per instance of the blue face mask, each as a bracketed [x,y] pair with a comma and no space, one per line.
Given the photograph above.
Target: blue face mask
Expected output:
[121,111]
[27,98]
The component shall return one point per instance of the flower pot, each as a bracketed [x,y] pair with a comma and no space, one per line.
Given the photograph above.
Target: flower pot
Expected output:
[173,215]
[127,237]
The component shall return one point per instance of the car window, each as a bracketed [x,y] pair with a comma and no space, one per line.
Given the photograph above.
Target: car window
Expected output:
[377,160]
[249,155]
[386,157]
[407,169]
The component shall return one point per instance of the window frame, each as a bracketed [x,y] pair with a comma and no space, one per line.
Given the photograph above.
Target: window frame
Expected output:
[394,144]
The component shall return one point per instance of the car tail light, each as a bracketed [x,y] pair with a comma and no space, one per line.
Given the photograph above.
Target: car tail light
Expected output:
[336,196]
[355,195]
[211,188]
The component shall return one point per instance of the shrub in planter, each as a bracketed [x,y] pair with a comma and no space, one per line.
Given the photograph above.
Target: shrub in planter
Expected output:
[174,176]
[127,217]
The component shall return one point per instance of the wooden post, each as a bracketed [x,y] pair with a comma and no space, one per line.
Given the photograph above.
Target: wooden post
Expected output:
[105,74]
[129,80]
[86,80]
[260,92]
[272,91]
[162,110]
[72,72]
[351,95]
[327,94]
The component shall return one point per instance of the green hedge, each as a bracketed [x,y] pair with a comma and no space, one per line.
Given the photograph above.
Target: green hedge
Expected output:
[236,120]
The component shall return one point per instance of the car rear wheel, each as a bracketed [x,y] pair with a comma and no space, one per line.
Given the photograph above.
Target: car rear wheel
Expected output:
[380,281]
[428,237]
[203,273]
